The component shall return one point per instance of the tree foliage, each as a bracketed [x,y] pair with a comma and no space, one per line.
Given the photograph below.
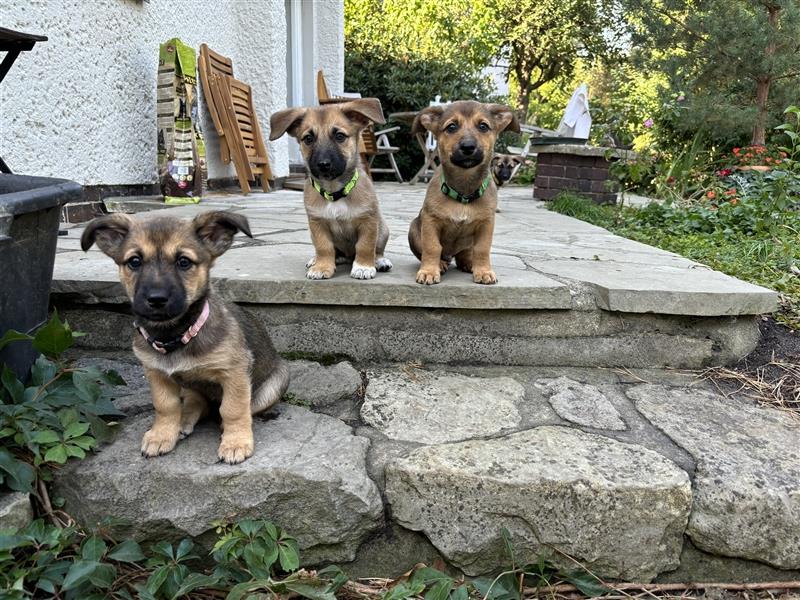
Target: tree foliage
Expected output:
[737,60]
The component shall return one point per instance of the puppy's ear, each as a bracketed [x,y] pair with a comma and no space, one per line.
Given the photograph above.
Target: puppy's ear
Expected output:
[108,233]
[517,160]
[496,159]
[216,229]
[427,120]
[363,111]
[286,121]
[504,118]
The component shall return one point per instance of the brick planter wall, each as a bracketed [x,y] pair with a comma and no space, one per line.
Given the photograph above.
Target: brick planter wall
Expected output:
[585,175]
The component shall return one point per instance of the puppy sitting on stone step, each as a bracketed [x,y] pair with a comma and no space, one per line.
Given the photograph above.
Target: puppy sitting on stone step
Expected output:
[457,216]
[194,346]
[343,214]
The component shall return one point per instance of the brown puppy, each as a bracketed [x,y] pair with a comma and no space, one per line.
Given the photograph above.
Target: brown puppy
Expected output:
[503,166]
[457,216]
[194,346]
[343,214]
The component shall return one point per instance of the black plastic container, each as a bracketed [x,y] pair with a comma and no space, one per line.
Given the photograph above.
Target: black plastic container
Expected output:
[29,216]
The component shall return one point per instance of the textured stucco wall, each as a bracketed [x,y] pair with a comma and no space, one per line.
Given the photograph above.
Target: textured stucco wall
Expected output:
[329,45]
[82,104]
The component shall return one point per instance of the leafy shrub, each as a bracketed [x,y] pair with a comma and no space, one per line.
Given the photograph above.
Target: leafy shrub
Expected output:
[58,415]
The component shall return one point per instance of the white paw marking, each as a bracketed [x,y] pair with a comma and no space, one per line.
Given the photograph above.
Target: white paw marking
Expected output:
[383,264]
[311,262]
[362,271]
[314,274]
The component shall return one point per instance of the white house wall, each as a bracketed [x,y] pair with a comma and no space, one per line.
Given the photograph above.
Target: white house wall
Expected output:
[82,104]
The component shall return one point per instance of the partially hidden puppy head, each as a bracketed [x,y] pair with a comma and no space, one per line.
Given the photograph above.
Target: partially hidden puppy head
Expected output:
[328,135]
[164,261]
[503,166]
[466,130]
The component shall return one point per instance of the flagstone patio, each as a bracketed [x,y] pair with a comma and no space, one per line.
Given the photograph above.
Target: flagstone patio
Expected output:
[569,293]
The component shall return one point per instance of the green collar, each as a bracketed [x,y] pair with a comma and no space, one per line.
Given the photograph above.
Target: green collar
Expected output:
[466,199]
[341,193]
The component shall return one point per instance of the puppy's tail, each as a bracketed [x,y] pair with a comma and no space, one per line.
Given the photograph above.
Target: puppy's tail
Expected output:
[272,390]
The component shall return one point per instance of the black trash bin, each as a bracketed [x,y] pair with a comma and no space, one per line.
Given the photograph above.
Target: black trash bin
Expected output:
[29,216]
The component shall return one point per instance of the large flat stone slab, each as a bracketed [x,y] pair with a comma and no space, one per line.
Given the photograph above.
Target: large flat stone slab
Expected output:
[432,408]
[15,510]
[307,475]
[618,508]
[581,403]
[747,483]
[318,385]
[543,261]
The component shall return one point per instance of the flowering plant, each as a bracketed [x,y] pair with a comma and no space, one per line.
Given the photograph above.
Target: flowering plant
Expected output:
[755,155]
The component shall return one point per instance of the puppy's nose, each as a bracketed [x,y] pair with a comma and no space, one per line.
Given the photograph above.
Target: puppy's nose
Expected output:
[157,299]
[324,166]
[467,147]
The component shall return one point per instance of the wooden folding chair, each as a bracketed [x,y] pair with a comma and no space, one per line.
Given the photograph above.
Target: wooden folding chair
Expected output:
[242,132]
[211,64]
[230,103]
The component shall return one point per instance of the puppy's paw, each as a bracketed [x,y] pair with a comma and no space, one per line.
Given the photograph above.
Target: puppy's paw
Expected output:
[311,262]
[235,447]
[159,441]
[360,271]
[465,266]
[428,277]
[320,273]
[443,266]
[486,276]
[383,264]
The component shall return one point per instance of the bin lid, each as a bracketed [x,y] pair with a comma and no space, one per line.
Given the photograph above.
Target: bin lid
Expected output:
[22,194]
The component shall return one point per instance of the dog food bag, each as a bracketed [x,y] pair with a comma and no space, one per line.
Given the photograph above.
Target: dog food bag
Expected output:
[181,148]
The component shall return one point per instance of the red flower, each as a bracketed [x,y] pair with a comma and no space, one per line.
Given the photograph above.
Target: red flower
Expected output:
[736,151]
[731,192]
[734,201]
[711,194]
[724,172]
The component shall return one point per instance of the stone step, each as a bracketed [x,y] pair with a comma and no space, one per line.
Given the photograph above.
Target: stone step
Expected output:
[638,475]
[569,293]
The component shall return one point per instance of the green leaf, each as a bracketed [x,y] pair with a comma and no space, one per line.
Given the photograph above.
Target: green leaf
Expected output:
[43,371]
[310,591]
[12,385]
[184,548]
[75,451]
[111,377]
[460,593]
[56,454]
[93,548]
[505,587]
[84,441]
[54,337]
[103,576]
[79,573]
[20,474]
[289,555]
[195,581]
[250,527]
[45,436]
[586,583]
[75,429]
[86,386]
[339,577]
[509,546]
[13,336]
[440,590]
[157,579]
[239,591]
[128,551]
[404,590]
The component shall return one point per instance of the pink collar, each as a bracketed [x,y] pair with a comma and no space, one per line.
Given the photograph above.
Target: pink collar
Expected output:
[165,347]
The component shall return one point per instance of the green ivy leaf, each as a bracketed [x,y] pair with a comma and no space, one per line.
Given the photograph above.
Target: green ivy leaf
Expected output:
[309,591]
[13,336]
[75,429]
[45,436]
[195,581]
[79,573]
[460,593]
[128,551]
[12,385]
[503,588]
[93,548]
[586,583]
[20,475]
[289,555]
[56,454]
[157,579]
[54,337]
[440,590]
[86,386]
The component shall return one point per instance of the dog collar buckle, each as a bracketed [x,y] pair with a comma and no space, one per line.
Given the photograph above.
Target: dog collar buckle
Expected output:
[333,197]
[465,199]
[188,335]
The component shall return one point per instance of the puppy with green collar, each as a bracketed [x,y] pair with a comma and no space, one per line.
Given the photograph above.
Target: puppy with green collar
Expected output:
[457,216]
[344,218]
